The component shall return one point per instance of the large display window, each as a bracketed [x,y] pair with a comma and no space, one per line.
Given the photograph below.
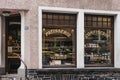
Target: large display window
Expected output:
[99,40]
[59,40]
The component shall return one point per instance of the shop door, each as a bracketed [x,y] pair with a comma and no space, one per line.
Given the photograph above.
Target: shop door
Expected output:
[13,41]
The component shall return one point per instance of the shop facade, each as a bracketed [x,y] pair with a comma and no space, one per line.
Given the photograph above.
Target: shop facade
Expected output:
[54,40]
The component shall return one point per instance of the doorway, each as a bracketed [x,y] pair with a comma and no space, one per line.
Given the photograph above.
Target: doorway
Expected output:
[13,43]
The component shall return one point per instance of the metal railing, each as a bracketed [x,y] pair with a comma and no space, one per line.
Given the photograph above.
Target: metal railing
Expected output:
[63,77]
[3,77]
[34,75]
[70,77]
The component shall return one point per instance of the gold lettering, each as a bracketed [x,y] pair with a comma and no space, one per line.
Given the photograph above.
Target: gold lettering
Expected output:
[61,31]
[96,32]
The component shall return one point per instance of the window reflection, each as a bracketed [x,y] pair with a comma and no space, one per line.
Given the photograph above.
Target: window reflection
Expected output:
[58,40]
[58,47]
[99,42]
[97,47]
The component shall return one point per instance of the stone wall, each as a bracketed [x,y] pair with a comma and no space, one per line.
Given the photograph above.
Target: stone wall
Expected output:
[31,18]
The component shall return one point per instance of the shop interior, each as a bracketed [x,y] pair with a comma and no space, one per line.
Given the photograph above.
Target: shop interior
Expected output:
[13,42]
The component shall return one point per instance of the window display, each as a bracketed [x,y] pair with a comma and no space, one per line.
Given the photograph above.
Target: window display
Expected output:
[58,40]
[14,47]
[98,40]
[12,43]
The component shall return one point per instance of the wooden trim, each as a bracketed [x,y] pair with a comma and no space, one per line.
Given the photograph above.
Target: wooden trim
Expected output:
[102,28]
[57,25]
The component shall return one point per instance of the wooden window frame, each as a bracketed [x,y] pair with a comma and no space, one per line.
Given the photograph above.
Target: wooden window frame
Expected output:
[52,25]
[101,27]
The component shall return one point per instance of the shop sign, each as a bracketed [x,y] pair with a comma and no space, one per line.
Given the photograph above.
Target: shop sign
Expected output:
[94,32]
[56,31]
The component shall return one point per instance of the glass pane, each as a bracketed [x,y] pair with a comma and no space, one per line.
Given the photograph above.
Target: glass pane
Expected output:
[55,22]
[49,21]
[58,40]
[55,17]
[109,19]
[94,24]
[94,18]
[67,22]
[61,17]
[13,47]
[104,24]
[89,23]
[44,16]
[49,16]
[89,18]
[72,22]
[85,18]
[58,47]
[99,24]
[67,17]
[99,18]
[98,47]
[109,24]
[104,19]
[85,23]
[72,17]
[62,22]
[44,22]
